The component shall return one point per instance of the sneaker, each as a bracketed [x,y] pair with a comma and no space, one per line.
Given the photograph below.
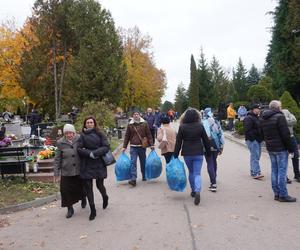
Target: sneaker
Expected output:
[258,177]
[287,199]
[276,197]
[132,183]
[144,179]
[193,194]
[197,198]
[213,187]
[288,181]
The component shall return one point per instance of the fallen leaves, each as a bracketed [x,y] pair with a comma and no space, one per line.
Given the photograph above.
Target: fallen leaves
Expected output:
[4,222]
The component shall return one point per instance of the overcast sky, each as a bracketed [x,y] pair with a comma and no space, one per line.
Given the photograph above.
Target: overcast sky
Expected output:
[228,29]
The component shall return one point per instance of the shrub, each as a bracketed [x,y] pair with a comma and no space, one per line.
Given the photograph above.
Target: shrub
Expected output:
[239,127]
[259,94]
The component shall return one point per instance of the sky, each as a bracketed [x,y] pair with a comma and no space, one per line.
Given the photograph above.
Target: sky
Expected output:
[226,29]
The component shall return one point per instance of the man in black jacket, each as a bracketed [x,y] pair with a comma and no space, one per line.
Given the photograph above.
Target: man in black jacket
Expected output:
[278,141]
[253,137]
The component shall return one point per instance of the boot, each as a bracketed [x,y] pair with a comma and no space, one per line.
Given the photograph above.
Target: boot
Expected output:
[105,201]
[70,212]
[93,213]
[83,202]
[197,198]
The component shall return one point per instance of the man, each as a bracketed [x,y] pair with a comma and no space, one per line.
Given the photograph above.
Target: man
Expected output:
[292,121]
[278,141]
[242,112]
[230,116]
[150,119]
[253,137]
[137,130]
[157,123]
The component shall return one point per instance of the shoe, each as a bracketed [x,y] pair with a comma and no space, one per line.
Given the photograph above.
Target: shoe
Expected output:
[193,194]
[287,199]
[105,202]
[70,212]
[197,199]
[144,179]
[298,179]
[213,187]
[288,181]
[132,183]
[83,203]
[257,177]
[93,213]
[276,197]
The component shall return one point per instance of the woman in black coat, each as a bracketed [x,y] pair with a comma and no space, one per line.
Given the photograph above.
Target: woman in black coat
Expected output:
[92,146]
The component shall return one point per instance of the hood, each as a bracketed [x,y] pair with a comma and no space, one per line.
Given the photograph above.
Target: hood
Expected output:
[269,113]
[141,121]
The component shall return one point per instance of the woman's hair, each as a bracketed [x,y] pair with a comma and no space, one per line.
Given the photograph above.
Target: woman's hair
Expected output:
[165,119]
[95,123]
[191,115]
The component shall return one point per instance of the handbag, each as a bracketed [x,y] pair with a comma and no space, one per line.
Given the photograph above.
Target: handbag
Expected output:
[143,140]
[164,141]
[108,158]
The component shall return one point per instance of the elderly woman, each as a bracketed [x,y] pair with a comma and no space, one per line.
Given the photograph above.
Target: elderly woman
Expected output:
[92,146]
[67,166]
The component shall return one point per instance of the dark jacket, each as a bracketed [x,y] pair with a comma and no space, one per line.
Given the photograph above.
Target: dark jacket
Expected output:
[97,143]
[252,128]
[275,131]
[35,118]
[132,136]
[150,119]
[66,162]
[189,138]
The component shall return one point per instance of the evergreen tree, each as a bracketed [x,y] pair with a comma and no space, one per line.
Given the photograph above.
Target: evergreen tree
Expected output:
[167,105]
[194,86]
[239,82]
[253,76]
[181,100]
[283,61]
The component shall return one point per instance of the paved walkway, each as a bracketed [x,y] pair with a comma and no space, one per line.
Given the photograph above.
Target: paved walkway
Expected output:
[241,215]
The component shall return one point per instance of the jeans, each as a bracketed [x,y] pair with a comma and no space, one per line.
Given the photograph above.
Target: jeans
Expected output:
[194,164]
[136,152]
[279,164]
[255,153]
[212,166]
[295,159]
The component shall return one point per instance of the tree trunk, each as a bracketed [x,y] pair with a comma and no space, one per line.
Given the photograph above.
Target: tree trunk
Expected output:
[55,79]
[62,77]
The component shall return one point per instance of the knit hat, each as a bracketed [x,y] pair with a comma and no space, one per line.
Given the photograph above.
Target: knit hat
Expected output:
[207,112]
[69,128]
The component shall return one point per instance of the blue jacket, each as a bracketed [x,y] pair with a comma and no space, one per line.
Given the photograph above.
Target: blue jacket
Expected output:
[150,118]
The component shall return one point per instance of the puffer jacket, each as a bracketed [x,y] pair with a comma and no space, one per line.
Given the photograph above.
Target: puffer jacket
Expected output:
[252,128]
[96,142]
[67,161]
[275,131]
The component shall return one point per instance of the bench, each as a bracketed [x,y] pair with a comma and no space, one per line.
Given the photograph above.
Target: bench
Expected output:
[12,161]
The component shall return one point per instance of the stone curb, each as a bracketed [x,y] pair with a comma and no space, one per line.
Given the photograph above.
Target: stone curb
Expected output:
[41,201]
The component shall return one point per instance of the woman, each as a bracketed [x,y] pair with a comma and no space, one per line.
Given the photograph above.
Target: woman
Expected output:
[67,165]
[190,140]
[167,147]
[92,146]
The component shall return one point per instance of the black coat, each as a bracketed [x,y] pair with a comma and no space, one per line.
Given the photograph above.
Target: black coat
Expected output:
[189,138]
[97,143]
[275,131]
[252,127]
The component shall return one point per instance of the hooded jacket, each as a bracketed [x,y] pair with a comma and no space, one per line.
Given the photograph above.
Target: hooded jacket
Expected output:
[275,131]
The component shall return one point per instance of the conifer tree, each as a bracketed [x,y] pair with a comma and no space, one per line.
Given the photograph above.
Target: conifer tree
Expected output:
[194,86]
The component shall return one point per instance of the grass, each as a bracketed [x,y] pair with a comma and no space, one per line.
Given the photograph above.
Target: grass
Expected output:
[14,191]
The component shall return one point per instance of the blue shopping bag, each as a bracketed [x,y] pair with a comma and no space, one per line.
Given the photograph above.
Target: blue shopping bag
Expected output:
[176,177]
[153,166]
[123,168]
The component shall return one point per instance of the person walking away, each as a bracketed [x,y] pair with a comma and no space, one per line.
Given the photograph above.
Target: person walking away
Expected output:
[67,165]
[150,119]
[253,137]
[138,134]
[157,123]
[292,121]
[216,138]
[230,116]
[189,140]
[278,141]
[92,145]
[34,118]
[167,144]
[242,112]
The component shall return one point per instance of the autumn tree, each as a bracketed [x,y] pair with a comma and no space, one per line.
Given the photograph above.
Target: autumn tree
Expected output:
[145,83]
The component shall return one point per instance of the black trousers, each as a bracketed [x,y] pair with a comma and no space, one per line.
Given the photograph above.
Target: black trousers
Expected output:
[88,189]
[168,156]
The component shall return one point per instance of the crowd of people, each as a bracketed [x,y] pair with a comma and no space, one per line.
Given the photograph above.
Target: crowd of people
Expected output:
[79,158]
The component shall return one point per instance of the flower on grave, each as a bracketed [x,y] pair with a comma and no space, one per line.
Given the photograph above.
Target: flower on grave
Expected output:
[47,153]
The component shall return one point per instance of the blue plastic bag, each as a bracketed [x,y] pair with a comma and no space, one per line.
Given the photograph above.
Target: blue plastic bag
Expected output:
[123,168]
[153,166]
[176,176]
